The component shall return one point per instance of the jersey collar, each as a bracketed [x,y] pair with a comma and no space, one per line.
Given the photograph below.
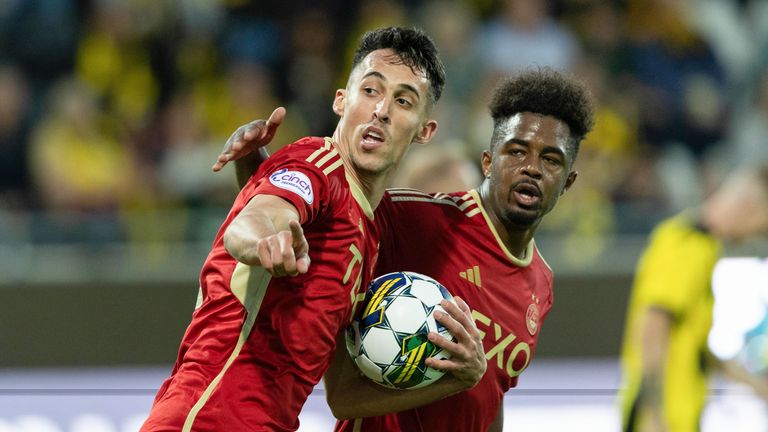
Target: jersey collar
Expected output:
[355,188]
[527,255]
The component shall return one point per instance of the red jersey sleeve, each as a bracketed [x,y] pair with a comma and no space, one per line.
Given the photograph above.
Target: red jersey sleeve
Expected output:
[288,175]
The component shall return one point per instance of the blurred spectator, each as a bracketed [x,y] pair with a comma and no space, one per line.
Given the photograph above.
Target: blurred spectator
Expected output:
[244,92]
[14,130]
[311,69]
[438,168]
[80,168]
[525,35]
[170,80]
[725,27]
[76,159]
[521,36]
[40,37]
[682,93]
[749,132]
[599,26]
[113,59]
[371,14]
[453,25]
[252,39]
[183,171]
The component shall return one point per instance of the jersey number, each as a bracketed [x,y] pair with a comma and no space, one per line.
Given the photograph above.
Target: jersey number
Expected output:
[357,261]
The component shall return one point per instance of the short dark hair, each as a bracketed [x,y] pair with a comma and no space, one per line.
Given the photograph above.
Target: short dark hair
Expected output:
[415,49]
[546,92]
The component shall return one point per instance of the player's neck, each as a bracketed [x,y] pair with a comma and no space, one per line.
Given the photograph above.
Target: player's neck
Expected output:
[515,239]
[373,186]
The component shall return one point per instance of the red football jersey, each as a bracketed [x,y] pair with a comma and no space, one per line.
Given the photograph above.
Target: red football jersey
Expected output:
[257,345]
[450,238]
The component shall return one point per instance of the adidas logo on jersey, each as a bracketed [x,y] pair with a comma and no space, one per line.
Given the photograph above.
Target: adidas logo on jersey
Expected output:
[472,275]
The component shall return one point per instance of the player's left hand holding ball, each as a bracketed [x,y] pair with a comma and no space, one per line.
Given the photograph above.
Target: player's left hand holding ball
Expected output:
[467,362]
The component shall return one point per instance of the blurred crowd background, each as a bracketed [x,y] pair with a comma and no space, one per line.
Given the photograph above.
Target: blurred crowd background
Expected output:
[112,111]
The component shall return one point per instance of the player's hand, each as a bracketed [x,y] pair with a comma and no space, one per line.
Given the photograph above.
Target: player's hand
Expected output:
[249,137]
[285,253]
[467,362]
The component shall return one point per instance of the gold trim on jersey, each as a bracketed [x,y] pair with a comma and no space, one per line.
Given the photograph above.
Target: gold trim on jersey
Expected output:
[354,187]
[359,196]
[326,147]
[329,153]
[423,199]
[249,285]
[409,191]
[330,168]
[463,203]
[473,212]
[538,252]
[528,254]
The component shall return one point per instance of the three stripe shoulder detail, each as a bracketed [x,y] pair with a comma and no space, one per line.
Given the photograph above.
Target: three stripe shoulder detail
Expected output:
[326,158]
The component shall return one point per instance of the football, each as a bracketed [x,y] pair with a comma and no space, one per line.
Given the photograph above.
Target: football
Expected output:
[389,340]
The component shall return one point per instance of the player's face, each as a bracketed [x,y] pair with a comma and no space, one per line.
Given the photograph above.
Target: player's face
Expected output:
[738,209]
[528,169]
[383,110]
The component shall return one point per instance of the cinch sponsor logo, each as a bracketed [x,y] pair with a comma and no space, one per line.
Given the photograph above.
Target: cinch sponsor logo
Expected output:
[294,181]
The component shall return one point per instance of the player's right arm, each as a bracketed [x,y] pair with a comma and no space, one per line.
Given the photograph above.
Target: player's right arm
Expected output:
[736,371]
[351,395]
[655,344]
[267,233]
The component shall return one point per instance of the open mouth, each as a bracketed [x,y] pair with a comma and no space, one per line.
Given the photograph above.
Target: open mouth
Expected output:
[372,138]
[526,194]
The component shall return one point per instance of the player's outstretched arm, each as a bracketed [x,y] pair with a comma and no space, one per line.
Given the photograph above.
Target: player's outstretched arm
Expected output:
[351,395]
[246,146]
[267,233]
[737,372]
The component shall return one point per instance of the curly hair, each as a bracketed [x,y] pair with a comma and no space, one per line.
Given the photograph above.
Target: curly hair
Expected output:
[415,49]
[546,92]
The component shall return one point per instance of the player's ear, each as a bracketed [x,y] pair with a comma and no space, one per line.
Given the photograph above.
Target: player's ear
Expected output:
[486,162]
[427,131]
[339,101]
[569,181]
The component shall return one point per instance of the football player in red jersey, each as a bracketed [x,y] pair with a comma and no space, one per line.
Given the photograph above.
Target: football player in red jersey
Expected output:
[258,343]
[540,117]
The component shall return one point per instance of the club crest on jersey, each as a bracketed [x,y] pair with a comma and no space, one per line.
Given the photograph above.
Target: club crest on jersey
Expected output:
[294,181]
[532,318]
